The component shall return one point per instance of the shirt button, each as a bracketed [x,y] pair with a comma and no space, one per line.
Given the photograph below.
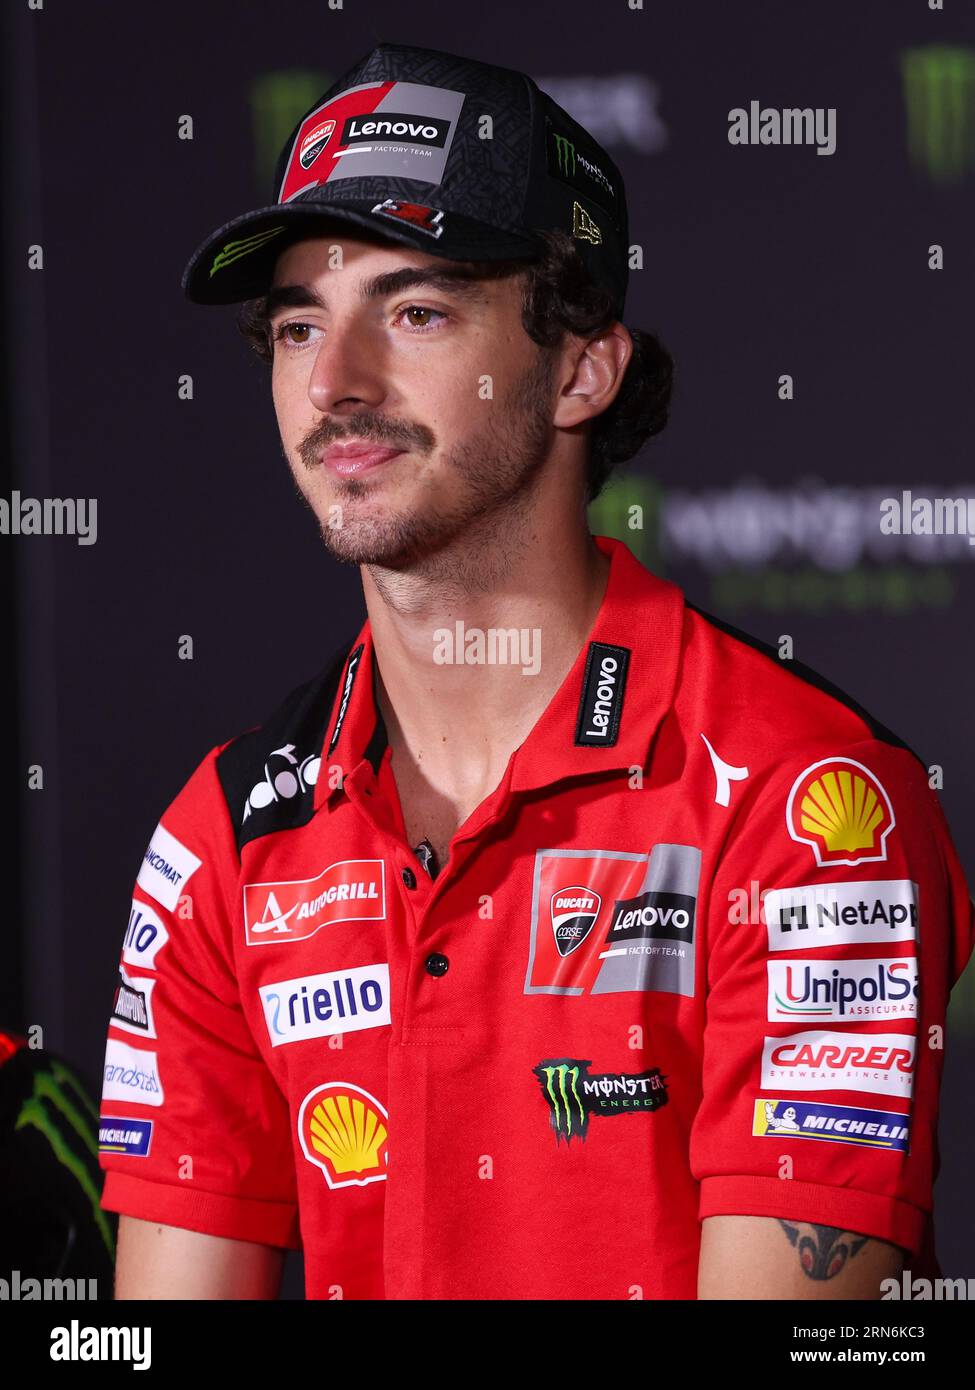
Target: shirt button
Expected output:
[437,964]
[409,878]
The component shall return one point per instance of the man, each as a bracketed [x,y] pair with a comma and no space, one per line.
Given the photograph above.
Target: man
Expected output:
[555,942]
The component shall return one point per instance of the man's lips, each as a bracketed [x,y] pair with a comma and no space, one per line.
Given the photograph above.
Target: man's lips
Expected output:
[347,460]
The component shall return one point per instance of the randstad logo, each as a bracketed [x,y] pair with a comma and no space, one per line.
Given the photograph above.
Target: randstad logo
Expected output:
[352,889]
[841,810]
[344,1131]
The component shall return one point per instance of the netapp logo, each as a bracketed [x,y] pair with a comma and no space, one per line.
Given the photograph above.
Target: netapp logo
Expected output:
[394,125]
[601,704]
[841,914]
[666,915]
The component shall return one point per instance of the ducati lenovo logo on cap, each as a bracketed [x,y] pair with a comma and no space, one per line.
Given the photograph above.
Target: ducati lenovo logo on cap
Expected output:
[314,142]
[603,684]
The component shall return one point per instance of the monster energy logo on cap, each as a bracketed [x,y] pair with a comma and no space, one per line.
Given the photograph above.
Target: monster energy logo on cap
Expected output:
[573,1095]
[567,162]
[243,247]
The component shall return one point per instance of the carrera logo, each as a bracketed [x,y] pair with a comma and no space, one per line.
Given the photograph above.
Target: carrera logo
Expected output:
[881,1062]
[314,142]
[350,890]
[574,913]
[841,810]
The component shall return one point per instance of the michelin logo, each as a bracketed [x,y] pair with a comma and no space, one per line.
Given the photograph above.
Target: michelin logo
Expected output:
[119,1134]
[167,867]
[843,1124]
[841,914]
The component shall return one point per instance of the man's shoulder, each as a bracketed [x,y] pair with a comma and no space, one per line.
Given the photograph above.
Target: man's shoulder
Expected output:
[772,706]
[268,773]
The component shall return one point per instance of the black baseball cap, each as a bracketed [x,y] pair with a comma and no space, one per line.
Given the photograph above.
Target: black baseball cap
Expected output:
[459,158]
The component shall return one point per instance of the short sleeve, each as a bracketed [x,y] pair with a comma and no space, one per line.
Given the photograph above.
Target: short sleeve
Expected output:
[194,1130]
[839,918]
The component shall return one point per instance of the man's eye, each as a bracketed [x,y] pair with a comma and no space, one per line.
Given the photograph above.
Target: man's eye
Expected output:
[419,316]
[282,334]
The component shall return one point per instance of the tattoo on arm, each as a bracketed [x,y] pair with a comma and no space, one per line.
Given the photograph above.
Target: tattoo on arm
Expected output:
[824,1252]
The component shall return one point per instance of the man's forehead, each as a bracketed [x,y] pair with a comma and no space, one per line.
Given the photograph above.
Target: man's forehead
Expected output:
[317,255]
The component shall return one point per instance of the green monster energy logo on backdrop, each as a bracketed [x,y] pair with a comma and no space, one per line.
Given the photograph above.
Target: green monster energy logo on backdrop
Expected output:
[573,1095]
[939,92]
[566,152]
[34,1111]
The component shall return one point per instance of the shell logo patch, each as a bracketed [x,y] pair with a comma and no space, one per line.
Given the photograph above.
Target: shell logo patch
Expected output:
[842,811]
[343,1131]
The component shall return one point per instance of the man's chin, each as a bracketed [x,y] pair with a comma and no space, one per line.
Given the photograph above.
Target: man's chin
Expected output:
[388,544]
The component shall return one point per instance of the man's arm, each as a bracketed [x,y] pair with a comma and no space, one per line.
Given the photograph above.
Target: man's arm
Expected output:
[167,1262]
[767,1258]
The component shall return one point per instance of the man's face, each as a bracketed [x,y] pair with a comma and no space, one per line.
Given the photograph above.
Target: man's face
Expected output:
[411,404]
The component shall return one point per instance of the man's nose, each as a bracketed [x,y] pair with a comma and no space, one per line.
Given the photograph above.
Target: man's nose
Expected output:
[347,370]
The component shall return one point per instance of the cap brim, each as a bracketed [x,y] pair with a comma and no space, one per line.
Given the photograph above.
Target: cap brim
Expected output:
[237,261]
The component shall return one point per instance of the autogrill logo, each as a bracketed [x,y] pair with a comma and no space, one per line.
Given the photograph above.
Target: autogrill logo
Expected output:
[291,911]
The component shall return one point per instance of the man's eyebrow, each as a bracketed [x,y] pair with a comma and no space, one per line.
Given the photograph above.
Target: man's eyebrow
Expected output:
[460,283]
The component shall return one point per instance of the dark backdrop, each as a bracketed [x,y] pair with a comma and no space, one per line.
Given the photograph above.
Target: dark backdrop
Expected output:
[757,262]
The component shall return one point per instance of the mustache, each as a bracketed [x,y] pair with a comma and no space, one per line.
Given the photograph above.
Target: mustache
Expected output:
[366,425]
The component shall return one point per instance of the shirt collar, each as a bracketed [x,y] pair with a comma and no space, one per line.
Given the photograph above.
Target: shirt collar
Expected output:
[640,613]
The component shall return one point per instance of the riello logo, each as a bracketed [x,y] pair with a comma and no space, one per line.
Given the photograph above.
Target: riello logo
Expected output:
[352,889]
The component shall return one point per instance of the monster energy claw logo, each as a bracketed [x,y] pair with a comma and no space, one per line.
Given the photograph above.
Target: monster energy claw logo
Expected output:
[573,1095]
[566,152]
[242,247]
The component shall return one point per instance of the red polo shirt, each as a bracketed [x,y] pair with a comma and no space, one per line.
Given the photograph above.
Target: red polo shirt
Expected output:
[689,958]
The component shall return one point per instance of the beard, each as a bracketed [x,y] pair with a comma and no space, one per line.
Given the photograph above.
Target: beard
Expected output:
[492,474]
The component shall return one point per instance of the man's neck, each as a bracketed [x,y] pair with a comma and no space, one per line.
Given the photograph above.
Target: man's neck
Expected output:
[464,671]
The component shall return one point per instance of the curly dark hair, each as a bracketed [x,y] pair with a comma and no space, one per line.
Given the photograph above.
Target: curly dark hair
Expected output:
[559,296]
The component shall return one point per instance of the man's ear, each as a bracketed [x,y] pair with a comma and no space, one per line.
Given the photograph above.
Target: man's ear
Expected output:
[597,367]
